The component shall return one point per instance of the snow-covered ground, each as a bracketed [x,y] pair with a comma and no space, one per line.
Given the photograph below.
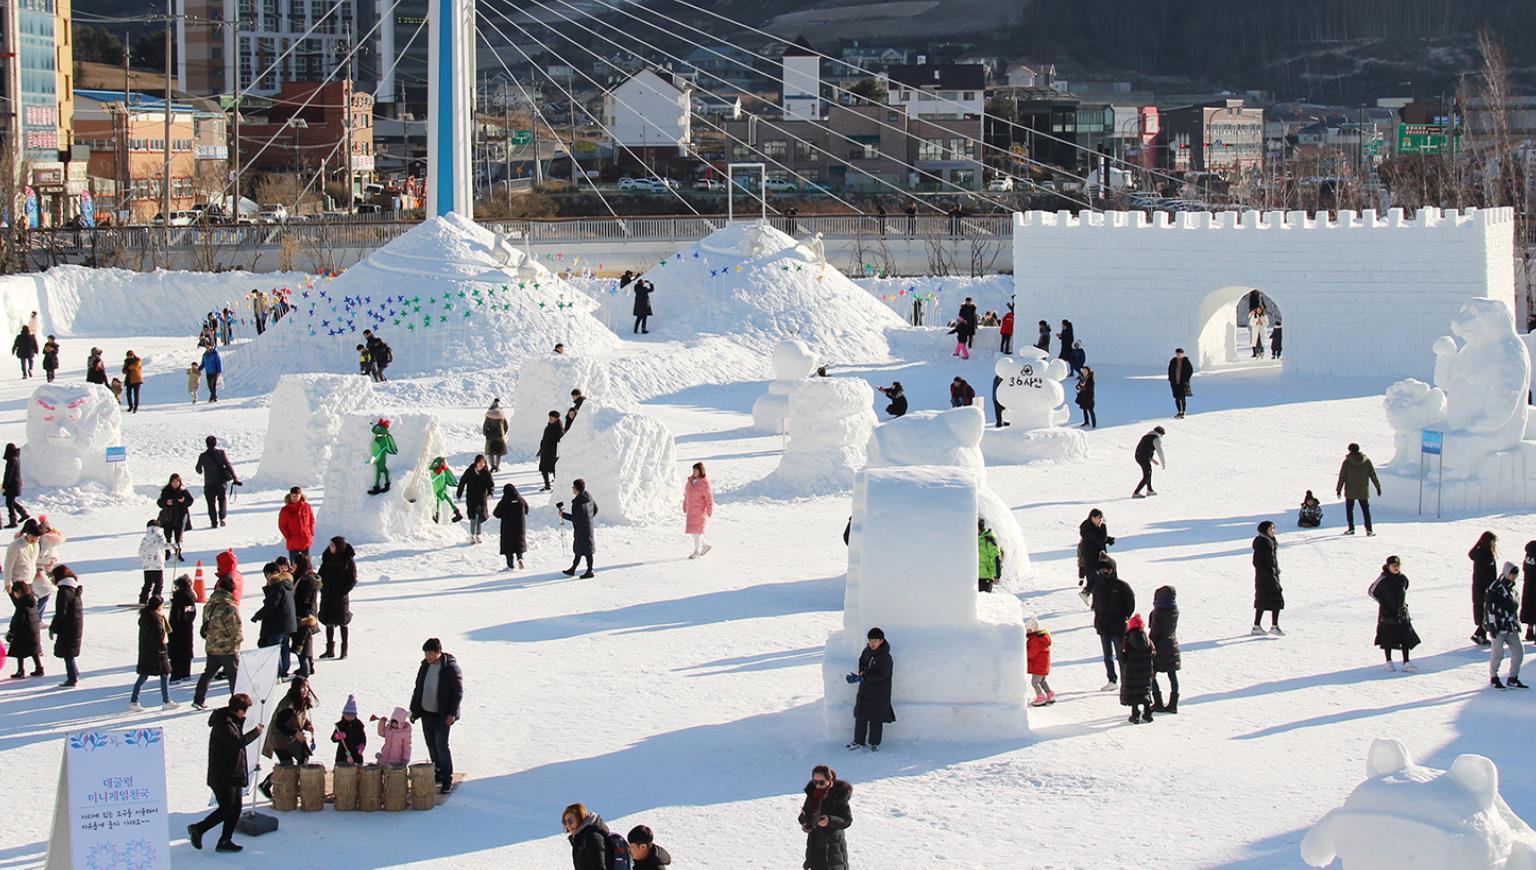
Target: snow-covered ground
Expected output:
[686,694]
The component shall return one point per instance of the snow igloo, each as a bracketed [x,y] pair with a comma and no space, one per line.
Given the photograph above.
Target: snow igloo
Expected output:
[448,295]
[544,384]
[405,511]
[628,460]
[304,419]
[757,286]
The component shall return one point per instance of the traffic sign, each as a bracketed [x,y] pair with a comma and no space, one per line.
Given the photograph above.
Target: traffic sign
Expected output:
[1420,138]
[522,137]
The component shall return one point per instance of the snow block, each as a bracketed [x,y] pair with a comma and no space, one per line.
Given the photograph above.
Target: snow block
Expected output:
[793,362]
[959,655]
[955,438]
[830,421]
[405,512]
[303,420]
[1015,446]
[69,428]
[1407,817]
[628,460]
[544,384]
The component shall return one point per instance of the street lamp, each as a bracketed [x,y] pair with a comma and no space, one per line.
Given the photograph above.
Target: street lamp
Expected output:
[1360,125]
[295,125]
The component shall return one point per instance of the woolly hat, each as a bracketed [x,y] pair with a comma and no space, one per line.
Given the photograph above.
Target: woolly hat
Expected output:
[1511,569]
[1031,623]
[1135,623]
[349,708]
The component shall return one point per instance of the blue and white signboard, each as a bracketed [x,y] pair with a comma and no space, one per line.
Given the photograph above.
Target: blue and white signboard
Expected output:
[110,810]
[1431,442]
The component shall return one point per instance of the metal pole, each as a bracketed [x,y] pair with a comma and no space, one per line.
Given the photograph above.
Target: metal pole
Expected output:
[346,121]
[234,54]
[1440,485]
[506,125]
[165,192]
[1421,480]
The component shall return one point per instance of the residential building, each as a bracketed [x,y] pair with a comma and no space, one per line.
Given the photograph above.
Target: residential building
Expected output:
[294,137]
[1031,74]
[649,114]
[937,90]
[1044,129]
[211,55]
[1219,136]
[36,83]
[863,148]
[874,58]
[125,135]
[800,83]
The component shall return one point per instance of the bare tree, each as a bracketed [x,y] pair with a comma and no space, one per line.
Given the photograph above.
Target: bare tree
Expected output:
[1503,178]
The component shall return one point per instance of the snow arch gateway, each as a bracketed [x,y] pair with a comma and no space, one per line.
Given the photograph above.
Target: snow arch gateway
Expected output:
[1362,294]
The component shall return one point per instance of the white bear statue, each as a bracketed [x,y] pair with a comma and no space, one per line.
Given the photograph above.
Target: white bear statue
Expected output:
[69,428]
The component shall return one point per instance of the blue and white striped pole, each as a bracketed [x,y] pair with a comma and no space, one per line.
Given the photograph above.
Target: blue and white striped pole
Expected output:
[450,107]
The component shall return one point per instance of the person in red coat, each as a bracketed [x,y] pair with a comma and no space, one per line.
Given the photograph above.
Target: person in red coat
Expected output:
[1005,329]
[297,523]
[1038,647]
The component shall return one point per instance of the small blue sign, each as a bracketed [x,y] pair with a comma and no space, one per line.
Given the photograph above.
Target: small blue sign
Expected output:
[117,454]
[1431,442]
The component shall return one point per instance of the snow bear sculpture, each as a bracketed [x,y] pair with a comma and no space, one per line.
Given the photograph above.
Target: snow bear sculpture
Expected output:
[1411,407]
[1031,393]
[1406,817]
[792,362]
[69,428]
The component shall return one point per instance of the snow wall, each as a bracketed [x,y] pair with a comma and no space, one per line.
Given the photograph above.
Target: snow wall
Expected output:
[544,384]
[403,513]
[628,460]
[304,418]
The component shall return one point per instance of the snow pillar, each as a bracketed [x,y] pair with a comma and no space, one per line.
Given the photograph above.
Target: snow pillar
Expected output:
[450,106]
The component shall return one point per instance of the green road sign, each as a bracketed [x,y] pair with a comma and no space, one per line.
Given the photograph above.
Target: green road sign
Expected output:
[1420,138]
[522,137]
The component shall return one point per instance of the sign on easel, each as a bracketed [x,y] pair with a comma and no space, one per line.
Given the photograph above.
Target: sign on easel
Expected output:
[1431,443]
[110,809]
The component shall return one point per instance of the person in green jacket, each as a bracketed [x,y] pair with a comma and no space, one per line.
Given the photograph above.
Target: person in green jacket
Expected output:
[1356,475]
[443,479]
[989,557]
[383,448]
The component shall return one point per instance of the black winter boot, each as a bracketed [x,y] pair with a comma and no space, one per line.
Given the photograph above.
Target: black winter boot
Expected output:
[330,650]
[344,646]
[1173,704]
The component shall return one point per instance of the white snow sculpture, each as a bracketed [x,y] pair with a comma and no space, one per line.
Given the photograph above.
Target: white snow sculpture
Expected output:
[959,654]
[954,438]
[402,513]
[830,420]
[793,362]
[1034,407]
[1480,403]
[303,420]
[628,460]
[1407,817]
[69,428]
[544,384]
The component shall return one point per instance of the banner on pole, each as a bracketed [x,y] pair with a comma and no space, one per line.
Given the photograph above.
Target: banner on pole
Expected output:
[110,808]
[257,677]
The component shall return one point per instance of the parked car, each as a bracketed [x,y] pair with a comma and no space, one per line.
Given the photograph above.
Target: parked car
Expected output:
[779,185]
[369,209]
[627,183]
[179,218]
[707,184]
[1000,184]
[273,213]
[657,185]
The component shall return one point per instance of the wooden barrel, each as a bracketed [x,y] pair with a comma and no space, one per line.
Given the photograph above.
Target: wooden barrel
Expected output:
[312,787]
[344,778]
[423,785]
[369,786]
[285,788]
[395,788]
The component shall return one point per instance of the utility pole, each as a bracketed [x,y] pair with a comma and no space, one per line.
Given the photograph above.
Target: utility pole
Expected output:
[234,54]
[125,177]
[533,126]
[506,127]
[165,181]
[347,131]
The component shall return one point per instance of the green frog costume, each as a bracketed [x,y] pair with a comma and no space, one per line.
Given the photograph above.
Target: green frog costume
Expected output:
[383,448]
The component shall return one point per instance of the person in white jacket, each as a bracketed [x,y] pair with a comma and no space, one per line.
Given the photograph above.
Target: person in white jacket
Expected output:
[152,560]
[21,559]
[48,541]
[1258,327]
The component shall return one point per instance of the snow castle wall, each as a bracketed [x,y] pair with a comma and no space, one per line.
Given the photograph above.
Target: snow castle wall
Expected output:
[403,513]
[305,416]
[1135,287]
[628,460]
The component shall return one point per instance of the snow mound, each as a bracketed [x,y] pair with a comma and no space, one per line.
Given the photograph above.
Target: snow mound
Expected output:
[955,438]
[76,300]
[757,285]
[69,428]
[405,511]
[830,421]
[448,295]
[544,384]
[1407,817]
[303,419]
[959,654]
[628,460]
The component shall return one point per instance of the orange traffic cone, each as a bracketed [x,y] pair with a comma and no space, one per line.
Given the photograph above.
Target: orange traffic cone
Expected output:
[197,583]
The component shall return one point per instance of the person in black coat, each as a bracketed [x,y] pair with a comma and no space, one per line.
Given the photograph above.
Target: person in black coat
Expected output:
[306,613]
[512,510]
[25,349]
[1085,400]
[1113,604]
[1394,628]
[1528,592]
[824,816]
[1136,669]
[1065,337]
[968,322]
[549,448]
[68,621]
[588,835]
[338,577]
[154,657]
[898,397]
[25,631]
[476,485]
[1093,539]
[11,486]
[1180,371]
[183,620]
[872,707]
[277,615]
[213,464]
[228,772]
[175,503]
[1267,594]
[583,542]
[1485,569]
[1163,632]
[643,291]
[644,851]
[1044,340]
[438,709]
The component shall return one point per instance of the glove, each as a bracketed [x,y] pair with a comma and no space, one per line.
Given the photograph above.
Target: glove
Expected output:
[854,678]
[1109,542]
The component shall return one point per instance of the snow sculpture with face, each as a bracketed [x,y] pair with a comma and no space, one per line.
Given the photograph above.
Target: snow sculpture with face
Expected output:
[1031,392]
[69,428]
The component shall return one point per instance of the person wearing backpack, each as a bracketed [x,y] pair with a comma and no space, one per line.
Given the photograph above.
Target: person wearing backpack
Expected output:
[593,846]
[823,817]
[379,354]
[644,851]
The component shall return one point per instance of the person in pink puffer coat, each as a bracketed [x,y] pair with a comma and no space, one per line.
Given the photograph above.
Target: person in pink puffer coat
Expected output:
[396,731]
[698,505]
